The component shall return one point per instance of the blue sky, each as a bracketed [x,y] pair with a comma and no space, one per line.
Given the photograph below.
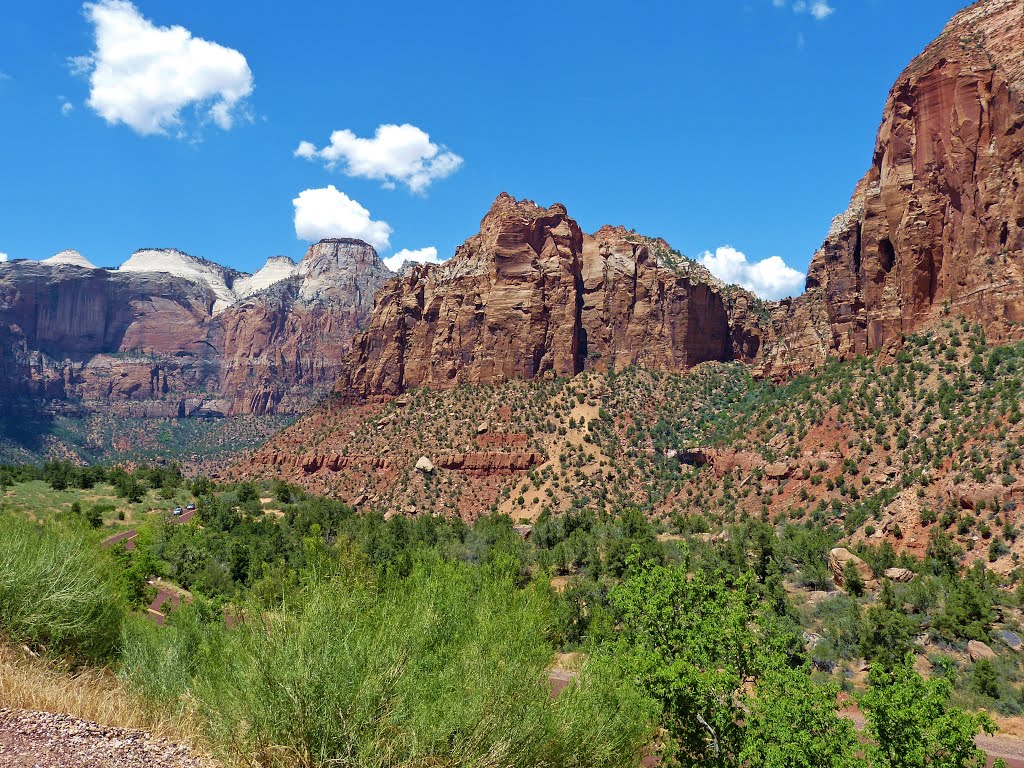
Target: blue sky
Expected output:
[742,123]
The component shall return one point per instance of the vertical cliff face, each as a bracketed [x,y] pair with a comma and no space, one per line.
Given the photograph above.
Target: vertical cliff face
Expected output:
[937,224]
[530,296]
[505,306]
[170,335]
[644,304]
[285,345]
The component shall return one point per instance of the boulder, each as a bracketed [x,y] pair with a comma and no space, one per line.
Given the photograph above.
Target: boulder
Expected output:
[979,650]
[902,575]
[838,559]
[1012,639]
[424,465]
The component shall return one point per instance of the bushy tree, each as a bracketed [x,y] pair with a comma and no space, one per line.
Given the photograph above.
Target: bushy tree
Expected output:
[912,724]
[792,722]
[689,640]
[854,581]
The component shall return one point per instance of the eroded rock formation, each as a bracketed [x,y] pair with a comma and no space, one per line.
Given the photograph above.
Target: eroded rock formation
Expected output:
[147,343]
[531,295]
[936,226]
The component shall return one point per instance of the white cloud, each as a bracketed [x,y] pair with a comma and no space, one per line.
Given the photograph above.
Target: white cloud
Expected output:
[323,213]
[396,154]
[426,255]
[819,9]
[769,278]
[3,258]
[143,75]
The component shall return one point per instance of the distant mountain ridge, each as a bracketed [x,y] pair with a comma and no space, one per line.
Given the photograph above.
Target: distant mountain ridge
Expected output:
[171,335]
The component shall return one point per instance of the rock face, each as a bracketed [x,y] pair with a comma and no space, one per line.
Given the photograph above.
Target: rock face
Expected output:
[531,295]
[935,228]
[286,344]
[937,225]
[838,560]
[170,335]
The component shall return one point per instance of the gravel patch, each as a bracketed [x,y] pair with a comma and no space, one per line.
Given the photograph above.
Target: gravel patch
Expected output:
[46,740]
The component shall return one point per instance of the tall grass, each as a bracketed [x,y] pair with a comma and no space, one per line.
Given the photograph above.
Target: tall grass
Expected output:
[444,668]
[91,693]
[58,592]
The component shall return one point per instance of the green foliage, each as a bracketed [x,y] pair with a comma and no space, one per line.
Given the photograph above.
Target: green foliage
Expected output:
[56,592]
[688,639]
[792,722]
[967,611]
[852,577]
[446,666]
[984,679]
[913,725]
[885,638]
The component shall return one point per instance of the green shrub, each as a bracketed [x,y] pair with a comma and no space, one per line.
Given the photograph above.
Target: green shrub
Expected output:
[445,667]
[57,591]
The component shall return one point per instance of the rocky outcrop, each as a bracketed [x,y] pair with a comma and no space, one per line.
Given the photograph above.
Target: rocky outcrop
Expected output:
[285,345]
[168,335]
[531,295]
[477,463]
[840,558]
[936,227]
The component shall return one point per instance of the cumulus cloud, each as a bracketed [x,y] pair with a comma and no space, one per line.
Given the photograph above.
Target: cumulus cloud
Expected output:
[769,278]
[144,76]
[328,212]
[396,154]
[426,255]
[3,258]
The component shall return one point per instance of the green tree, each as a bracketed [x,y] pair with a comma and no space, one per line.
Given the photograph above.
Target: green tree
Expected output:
[885,637]
[688,639]
[792,722]
[853,579]
[984,679]
[912,724]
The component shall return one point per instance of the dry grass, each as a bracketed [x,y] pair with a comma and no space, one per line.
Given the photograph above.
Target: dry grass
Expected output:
[96,695]
[1010,727]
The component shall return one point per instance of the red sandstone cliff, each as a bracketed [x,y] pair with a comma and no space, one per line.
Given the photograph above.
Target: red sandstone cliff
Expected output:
[935,227]
[937,224]
[531,295]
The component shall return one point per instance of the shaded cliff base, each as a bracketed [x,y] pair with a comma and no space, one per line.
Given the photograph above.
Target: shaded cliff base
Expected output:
[196,443]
